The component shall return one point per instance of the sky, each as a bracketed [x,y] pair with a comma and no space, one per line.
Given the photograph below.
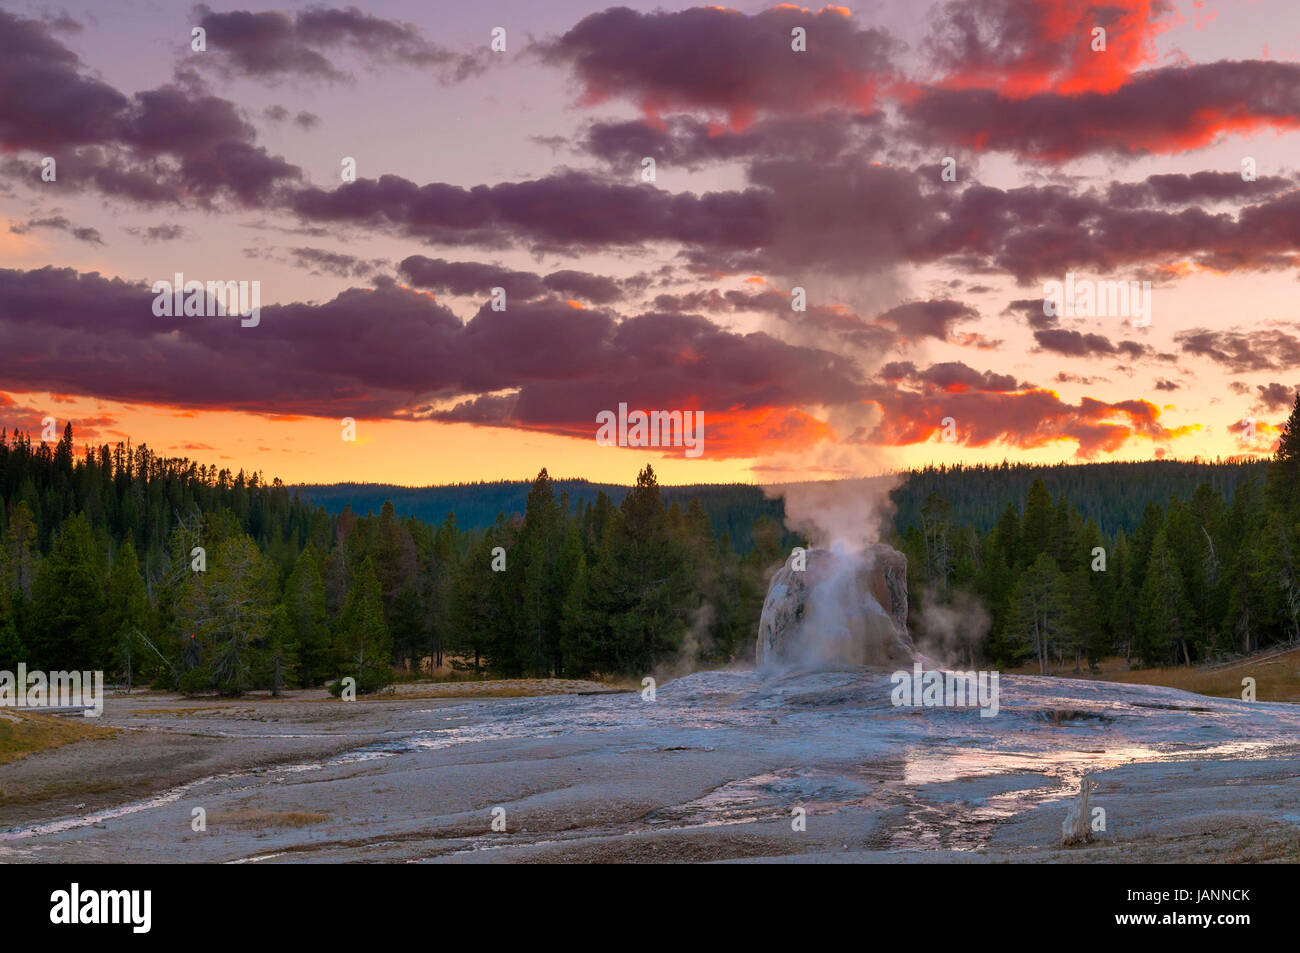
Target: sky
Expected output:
[838,257]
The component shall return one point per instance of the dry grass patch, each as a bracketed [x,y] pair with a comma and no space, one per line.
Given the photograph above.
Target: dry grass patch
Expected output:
[1276,675]
[252,817]
[24,732]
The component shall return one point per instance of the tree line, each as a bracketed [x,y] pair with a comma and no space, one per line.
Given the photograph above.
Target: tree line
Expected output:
[1204,576]
[164,571]
[160,570]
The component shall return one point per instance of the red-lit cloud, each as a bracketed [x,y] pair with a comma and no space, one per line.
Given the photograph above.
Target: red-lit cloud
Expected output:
[1023,47]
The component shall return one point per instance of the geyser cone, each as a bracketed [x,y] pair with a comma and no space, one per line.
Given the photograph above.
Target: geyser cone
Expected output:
[843,608]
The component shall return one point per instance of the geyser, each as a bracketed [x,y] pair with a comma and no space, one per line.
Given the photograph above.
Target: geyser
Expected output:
[845,607]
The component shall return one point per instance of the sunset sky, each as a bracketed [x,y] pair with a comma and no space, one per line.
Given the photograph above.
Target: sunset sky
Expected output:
[775,169]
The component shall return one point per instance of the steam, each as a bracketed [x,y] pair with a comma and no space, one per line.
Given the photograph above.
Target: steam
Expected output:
[843,623]
[687,658]
[844,516]
[951,632]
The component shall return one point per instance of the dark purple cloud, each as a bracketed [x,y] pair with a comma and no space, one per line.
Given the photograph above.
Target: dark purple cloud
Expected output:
[166,144]
[1160,111]
[1078,344]
[952,376]
[469,277]
[1265,349]
[934,319]
[1275,397]
[1173,188]
[565,211]
[84,334]
[273,45]
[81,233]
[690,143]
[723,61]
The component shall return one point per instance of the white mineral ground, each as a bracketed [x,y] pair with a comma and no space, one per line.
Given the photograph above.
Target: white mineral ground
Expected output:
[711,770]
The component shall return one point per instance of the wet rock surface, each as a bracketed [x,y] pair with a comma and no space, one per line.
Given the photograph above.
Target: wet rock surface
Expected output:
[710,770]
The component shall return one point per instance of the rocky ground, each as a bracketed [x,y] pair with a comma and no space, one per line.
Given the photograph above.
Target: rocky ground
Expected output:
[712,769]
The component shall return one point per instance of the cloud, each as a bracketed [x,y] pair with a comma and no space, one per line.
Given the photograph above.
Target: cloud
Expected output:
[339,264]
[45,103]
[850,218]
[1180,189]
[1076,344]
[690,143]
[19,418]
[467,278]
[1035,231]
[1162,111]
[933,318]
[1022,47]
[1265,349]
[1031,309]
[303,119]
[953,377]
[566,211]
[85,234]
[272,45]
[166,144]
[724,62]
[1275,397]
[1027,419]
[157,233]
[540,364]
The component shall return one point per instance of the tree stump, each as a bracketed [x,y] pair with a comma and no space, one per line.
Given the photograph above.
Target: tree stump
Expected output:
[1076,828]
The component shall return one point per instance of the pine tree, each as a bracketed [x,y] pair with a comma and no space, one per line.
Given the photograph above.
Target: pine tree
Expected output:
[639,586]
[1283,479]
[12,649]
[579,637]
[1037,619]
[1084,629]
[304,604]
[363,644]
[396,563]
[440,588]
[228,612]
[279,657]
[68,623]
[1165,620]
[1038,529]
[541,591]
[18,566]
[127,609]
[936,527]
[1123,604]
[478,604]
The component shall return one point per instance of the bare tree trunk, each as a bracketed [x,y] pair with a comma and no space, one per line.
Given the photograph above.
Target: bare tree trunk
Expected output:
[1042,653]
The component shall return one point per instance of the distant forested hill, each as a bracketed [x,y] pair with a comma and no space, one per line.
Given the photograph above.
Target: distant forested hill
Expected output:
[732,507]
[1114,494]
